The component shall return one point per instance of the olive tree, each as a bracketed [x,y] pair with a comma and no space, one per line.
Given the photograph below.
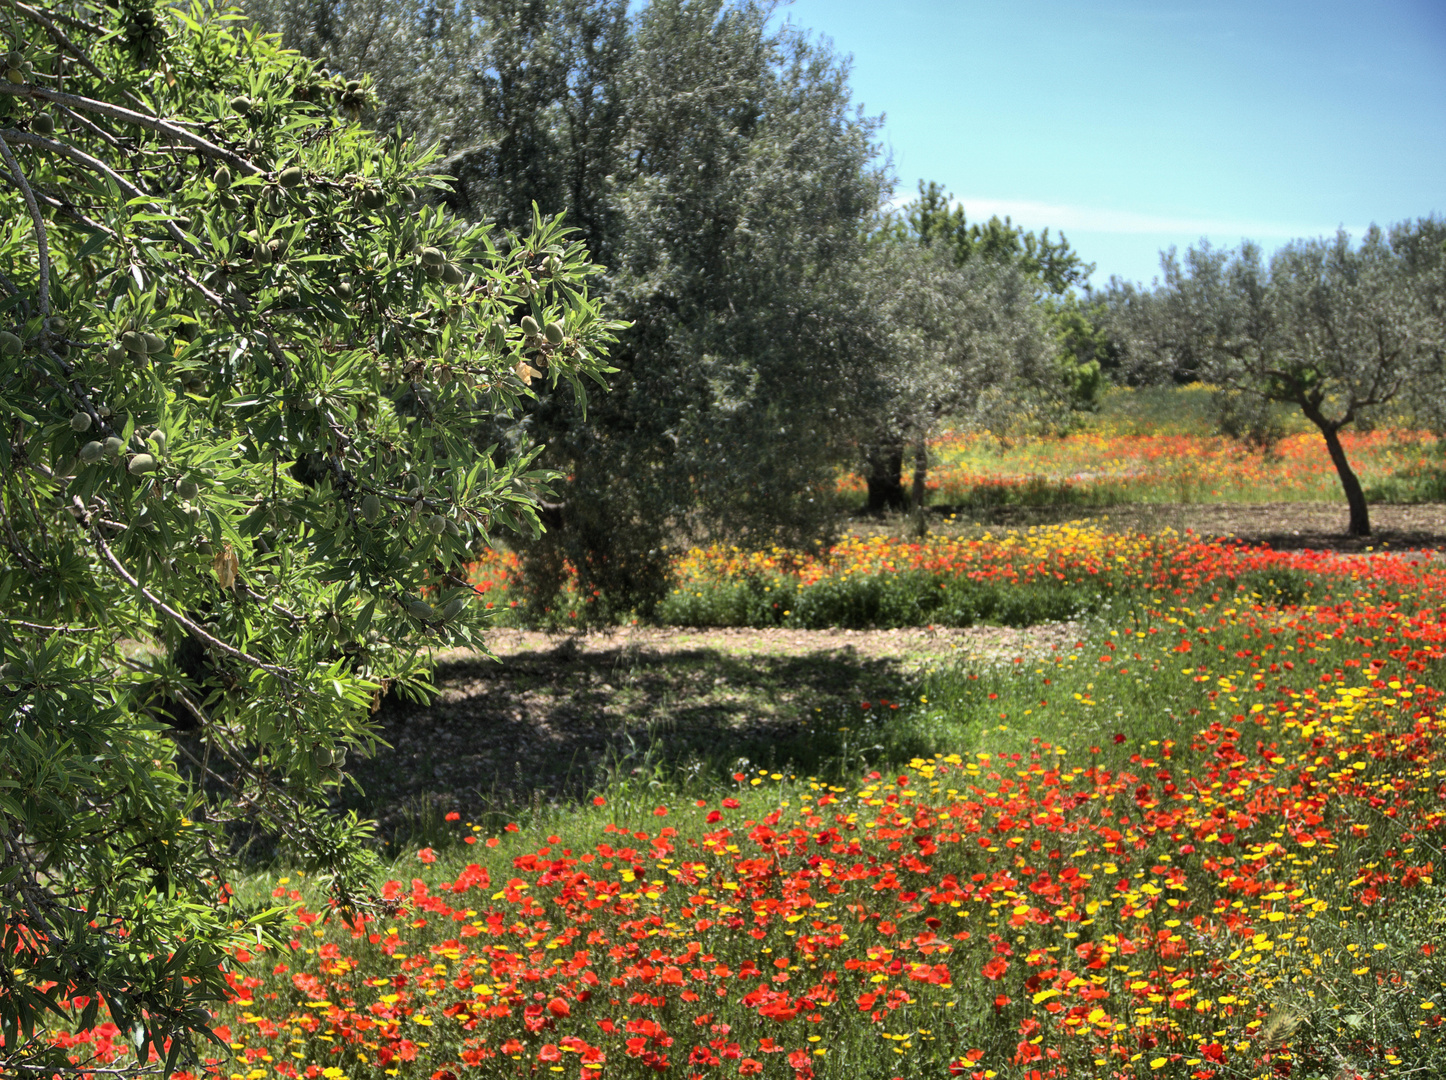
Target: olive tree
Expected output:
[1340,330]
[968,343]
[242,373]
[714,162]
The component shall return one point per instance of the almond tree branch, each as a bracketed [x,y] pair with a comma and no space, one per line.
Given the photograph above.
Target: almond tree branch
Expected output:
[39,221]
[59,35]
[129,190]
[192,628]
[129,116]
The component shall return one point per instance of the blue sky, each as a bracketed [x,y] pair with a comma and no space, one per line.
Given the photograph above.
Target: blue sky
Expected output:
[1136,124]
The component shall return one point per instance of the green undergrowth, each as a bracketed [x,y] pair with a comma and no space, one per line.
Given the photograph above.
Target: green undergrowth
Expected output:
[884,601]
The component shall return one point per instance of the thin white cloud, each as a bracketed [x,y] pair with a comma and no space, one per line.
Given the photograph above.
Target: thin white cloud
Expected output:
[1069,219]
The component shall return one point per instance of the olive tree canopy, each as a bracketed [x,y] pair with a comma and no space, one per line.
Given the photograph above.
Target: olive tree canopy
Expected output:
[1346,332]
[714,163]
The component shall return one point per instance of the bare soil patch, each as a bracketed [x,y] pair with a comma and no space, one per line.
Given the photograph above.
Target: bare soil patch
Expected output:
[554,717]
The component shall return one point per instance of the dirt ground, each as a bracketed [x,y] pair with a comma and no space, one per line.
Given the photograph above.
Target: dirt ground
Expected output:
[1286,526]
[555,716]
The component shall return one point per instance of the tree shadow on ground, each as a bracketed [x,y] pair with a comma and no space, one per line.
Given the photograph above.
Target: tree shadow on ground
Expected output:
[555,726]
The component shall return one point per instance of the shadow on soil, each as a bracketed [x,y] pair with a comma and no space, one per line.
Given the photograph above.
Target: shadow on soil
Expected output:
[555,726]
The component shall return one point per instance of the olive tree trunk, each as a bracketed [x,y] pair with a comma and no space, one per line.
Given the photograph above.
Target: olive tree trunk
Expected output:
[1360,524]
[885,478]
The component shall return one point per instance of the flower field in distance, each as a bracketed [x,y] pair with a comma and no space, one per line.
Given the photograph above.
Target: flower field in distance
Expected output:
[1013,576]
[1205,842]
[1162,445]
[1094,468]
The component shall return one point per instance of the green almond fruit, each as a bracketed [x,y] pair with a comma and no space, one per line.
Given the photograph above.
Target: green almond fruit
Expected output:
[10,345]
[554,333]
[134,342]
[80,421]
[291,177]
[14,58]
[187,488]
[453,274]
[241,104]
[158,439]
[433,257]
[15,75]
[115,353]
[436,524]
[221,177]
[371,508]
[421,610]
[353,85]
[141,464]
[42,124]
[372,198]
[344,290]
[92,451]
[530,327]
[454,608]
[154,342]
[113,446]
[434,270]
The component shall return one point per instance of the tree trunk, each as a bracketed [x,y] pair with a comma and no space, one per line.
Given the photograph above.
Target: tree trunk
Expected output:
[921,475]
[1355,498]
[919,494]
[885,477]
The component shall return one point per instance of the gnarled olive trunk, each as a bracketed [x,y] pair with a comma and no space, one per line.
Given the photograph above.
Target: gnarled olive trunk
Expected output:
[919,495]
[1360,524]
[885,477]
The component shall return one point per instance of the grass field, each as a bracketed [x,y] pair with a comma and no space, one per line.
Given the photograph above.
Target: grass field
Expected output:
[1200,839]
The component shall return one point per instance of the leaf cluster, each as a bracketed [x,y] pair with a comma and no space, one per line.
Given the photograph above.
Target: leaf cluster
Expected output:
[250,380]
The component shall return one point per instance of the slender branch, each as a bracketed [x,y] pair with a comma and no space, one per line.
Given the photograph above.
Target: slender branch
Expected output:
[130,116]
[69,20]
[59,35]
[80,157]
[90,125]
[40,237]
[60,206]
[192,628]
[43,628]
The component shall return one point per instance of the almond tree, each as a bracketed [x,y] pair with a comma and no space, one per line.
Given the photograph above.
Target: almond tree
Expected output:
[242,372]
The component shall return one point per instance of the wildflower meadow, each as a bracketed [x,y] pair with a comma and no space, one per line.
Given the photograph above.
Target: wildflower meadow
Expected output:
[1162,445]
[1203,842]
